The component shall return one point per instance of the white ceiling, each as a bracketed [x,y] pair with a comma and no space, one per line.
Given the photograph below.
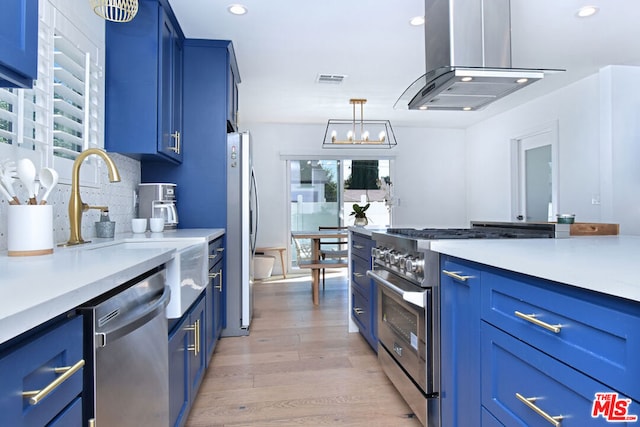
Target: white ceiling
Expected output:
[282,45]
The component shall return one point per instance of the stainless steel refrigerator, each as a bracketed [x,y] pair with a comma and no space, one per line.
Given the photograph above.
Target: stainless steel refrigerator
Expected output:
[241,232]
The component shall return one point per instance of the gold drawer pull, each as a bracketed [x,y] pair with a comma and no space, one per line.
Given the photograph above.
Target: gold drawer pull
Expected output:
[532,318]
[220,249]
[358,275]
[196,337]
[37,395]
[358,246]
[219,287]
[358,310]
[529,401]
[214,256]
[456,275]
[214,275]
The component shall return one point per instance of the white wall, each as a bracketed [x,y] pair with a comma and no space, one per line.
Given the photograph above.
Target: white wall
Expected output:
[599,146]
[427,174]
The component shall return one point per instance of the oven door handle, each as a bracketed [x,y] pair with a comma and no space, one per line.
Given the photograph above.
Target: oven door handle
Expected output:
[415,298]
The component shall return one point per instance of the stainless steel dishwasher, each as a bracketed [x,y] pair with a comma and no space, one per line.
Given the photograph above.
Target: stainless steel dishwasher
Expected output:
[127,354]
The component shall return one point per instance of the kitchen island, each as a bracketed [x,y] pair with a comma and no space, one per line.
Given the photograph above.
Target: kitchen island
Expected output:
[539,330]
[602,264]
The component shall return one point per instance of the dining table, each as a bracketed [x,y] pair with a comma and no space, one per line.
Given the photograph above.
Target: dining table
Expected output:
[316,236]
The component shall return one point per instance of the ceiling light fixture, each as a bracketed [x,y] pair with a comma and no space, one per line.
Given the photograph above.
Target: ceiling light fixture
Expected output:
[587,11]
[416,21]
[115,10]
[356,133]
[237,9]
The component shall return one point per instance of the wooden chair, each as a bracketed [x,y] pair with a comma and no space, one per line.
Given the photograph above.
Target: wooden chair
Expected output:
[334,249]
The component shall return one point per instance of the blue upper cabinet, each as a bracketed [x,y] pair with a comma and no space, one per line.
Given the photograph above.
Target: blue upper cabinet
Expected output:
[144,85]
[18,43]
[209,86]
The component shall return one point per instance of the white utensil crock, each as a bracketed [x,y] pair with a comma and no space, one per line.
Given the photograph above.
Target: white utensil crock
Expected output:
[29,230]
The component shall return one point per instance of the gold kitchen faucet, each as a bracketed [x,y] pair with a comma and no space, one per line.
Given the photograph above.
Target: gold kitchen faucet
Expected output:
[76,205]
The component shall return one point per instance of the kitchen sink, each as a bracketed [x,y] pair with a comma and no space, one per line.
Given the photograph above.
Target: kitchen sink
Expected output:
[186,271]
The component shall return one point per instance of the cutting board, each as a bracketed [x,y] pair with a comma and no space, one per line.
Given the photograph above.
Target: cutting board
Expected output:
[594,229]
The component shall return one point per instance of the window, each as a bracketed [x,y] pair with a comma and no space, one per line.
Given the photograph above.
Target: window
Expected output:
[63,114]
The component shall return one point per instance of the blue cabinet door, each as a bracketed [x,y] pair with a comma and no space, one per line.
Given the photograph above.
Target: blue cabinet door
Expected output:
[513,371]
[460,343]
[197,350]
[365,307]
[179,341]
[202,177]
[31,366]
[18,43]
[214,290]
[143,98]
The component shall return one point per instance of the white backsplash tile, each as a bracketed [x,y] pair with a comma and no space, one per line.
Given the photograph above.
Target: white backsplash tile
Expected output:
[118,196]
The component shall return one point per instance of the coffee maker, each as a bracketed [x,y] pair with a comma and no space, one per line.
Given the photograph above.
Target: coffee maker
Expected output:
[158,200]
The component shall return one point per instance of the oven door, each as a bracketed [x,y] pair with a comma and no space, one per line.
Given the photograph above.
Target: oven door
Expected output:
[405,327]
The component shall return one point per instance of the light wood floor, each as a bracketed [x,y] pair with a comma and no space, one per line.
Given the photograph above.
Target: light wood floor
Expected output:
[298,366]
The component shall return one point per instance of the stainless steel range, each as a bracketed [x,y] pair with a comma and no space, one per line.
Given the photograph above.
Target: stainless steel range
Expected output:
[407,273]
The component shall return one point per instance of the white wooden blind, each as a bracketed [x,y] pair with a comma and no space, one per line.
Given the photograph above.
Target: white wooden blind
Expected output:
[63,113]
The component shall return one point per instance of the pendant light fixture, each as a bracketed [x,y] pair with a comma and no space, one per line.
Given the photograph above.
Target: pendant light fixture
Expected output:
[358,132]
[115,10]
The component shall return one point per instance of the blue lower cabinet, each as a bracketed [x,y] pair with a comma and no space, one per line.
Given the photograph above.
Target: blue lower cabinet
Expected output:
[460,344]
[214,291]
[364,294]
[187,361]
[513,372]
[35,363]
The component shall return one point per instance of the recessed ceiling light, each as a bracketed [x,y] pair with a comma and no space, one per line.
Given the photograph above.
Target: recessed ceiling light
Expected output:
[522,80]
[422,107]
[237,9]
[586,11]
[416,21]
[466,108]
[466,79]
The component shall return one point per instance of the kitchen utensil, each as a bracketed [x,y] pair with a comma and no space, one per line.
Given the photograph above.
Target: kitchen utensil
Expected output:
[49,179]
[7,195]
[7,173]
[27,175]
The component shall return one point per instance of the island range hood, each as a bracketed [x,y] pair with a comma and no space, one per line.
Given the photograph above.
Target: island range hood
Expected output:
[468,57]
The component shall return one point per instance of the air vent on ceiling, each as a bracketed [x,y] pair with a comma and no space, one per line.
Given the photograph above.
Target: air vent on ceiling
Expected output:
[335,79]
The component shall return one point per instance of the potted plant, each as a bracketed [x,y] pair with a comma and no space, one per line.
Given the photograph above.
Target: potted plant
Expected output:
[360,214]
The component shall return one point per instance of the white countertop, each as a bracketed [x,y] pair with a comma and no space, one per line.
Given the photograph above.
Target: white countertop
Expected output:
[603,264]
[36,289]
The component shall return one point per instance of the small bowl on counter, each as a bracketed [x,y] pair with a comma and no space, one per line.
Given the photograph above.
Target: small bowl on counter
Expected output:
[566,218]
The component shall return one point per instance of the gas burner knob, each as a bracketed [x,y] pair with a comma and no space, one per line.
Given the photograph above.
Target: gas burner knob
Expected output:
[394,258]
[402,262]
[413,265]
[380,253]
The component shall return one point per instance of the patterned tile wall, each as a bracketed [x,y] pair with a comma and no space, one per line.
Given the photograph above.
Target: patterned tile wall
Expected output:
[118,196]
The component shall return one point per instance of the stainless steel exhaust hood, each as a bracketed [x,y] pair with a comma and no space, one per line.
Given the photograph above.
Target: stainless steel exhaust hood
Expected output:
[468,57]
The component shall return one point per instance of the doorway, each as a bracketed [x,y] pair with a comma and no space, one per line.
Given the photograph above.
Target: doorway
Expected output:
[535,176]
[322,193]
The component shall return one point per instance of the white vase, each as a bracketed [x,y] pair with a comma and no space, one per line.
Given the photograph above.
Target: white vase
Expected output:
[360,222]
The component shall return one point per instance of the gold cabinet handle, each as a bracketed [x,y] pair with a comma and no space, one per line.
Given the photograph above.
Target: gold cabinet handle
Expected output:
[529,401]
[358,246]
[358,275]
[214,275]
[196,336]
[67,371]
[214,256]
[358,310]
[532,318]
[219,287]
[92,422]
[176,147]
[456,275]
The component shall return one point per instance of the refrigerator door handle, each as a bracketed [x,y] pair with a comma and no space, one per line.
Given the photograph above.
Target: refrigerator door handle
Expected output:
[255,229]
